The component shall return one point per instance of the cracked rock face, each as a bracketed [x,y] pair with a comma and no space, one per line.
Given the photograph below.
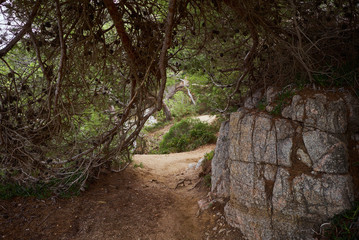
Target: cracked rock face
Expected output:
[285,175]
[220,173]
[252,101]
[319,112]
[328,153]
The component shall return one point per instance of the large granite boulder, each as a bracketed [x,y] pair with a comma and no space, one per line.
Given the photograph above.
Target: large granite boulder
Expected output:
[220,171]
[285,175]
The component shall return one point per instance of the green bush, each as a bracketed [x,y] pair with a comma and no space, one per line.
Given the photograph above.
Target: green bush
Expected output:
[209,156]
[206,168]
[187,135]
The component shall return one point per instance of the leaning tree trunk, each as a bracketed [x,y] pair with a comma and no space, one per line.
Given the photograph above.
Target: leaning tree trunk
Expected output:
[167,111]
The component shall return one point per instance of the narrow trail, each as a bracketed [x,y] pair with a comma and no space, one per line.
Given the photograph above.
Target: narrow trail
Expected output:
[171,174]
[155,201]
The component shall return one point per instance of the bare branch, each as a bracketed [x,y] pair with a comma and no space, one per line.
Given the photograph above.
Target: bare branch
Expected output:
[63,54]
[163,55]
[185,84]
[214,80]
[23,31]
[38,55]
[300,44]
[121,31]
[248,60]
[229,70]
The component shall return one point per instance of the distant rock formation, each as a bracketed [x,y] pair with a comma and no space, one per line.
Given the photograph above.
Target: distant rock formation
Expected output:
[286,170]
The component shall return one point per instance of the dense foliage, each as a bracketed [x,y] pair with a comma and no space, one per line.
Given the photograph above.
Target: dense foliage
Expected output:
[78,81]
[244,45]
[187,135]
[79,78]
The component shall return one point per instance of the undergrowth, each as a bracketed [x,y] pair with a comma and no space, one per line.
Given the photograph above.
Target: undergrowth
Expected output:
[282,99]
[206,167]
[181,106]
[157,126]
[209,156]
[40,190]
[138,165]
[344,226]
[207,180]
[187,135]
[161,122]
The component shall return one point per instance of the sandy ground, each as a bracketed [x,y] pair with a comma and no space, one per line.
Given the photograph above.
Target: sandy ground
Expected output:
[207,118]
[155,201]
[170,165]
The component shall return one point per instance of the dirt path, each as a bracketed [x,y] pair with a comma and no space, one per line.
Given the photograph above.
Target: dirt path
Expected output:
[170,173]
[157,201]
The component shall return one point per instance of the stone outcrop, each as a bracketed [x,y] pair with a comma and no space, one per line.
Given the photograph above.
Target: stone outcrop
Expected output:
[220,174]
[286,174]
